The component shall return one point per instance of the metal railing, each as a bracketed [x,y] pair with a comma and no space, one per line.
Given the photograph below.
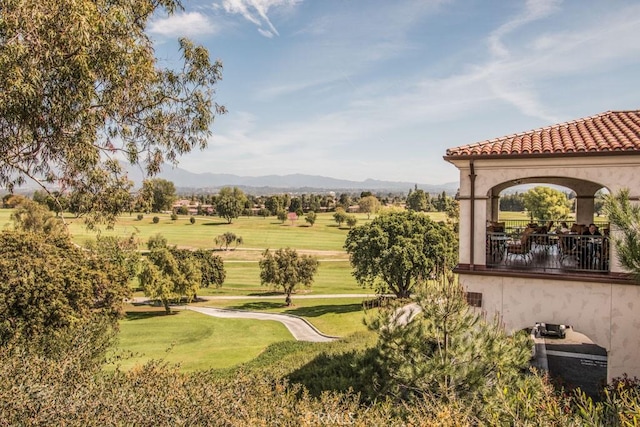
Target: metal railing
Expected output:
[518,225]
[548,252]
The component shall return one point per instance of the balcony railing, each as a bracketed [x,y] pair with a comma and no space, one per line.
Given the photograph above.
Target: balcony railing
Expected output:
[518,225]
[548,252]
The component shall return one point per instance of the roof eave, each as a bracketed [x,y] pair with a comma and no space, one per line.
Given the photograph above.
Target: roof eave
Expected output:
[450,158]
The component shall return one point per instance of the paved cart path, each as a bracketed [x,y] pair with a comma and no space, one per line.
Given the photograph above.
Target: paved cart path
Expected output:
[299,327]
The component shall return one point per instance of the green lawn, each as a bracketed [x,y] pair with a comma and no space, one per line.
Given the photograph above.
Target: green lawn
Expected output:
[338,317]
[243,278]
[193,340]
[256,232]
[202,342]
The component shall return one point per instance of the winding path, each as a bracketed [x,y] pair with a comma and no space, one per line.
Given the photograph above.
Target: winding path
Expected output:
[299,327]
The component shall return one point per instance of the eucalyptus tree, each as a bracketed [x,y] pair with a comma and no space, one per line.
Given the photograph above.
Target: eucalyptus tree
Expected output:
[82,90]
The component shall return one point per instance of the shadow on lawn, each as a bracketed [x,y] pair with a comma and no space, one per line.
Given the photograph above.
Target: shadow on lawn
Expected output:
[319,310]
[141,315]
[259,305]
[215,223]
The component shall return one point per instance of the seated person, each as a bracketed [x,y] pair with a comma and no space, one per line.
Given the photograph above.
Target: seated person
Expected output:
[589,248]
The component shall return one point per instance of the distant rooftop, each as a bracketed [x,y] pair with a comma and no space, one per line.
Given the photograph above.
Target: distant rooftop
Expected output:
[606,133]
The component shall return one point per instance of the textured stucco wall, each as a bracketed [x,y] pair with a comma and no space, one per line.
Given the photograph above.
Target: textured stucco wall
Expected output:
[609,314]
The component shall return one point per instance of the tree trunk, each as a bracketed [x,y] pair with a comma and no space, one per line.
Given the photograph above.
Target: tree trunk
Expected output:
[167,309]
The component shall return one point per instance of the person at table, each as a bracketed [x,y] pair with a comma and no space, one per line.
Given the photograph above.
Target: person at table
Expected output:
[589,247]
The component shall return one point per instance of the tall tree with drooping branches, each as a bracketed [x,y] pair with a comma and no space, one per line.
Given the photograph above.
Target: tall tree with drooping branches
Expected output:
[82,90]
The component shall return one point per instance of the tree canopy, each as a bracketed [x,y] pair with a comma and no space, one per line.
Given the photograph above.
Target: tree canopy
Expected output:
[369,205]
[230,203]
[546,203]
[441,350]
[418,200]
[228,239]
[397,250]
[159,194]
[168,274]
[81,90]
[48,284]
[287,269]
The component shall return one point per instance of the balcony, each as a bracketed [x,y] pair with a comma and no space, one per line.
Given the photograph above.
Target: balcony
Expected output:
[552,253]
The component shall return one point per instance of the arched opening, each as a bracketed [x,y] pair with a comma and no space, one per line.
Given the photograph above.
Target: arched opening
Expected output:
[571,358]
[543,223]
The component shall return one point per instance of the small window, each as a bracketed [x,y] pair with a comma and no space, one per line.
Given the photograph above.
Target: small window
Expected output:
[474,299]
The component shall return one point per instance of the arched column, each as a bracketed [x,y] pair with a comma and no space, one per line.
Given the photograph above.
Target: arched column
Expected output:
[584,209]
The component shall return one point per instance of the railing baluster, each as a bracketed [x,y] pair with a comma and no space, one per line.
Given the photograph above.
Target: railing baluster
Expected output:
[547,252]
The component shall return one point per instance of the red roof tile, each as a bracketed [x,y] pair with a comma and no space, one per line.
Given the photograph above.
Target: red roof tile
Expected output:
[613,131]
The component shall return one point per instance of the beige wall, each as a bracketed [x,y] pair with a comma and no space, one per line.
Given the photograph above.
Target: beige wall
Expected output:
[609,314]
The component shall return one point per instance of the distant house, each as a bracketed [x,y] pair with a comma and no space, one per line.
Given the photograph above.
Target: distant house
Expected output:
[537,278]
[192,207]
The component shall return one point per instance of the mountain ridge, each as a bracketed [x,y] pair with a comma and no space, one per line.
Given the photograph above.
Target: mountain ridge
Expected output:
[184,179]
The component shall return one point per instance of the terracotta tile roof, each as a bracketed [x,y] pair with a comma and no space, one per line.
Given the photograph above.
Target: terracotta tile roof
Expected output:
[613,131]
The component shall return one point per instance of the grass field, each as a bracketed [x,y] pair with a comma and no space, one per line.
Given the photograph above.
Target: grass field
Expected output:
[197,341]
[256,232]
[192,340]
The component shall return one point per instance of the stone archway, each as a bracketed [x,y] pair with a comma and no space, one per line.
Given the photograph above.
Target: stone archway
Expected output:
[573,361]
[585,191]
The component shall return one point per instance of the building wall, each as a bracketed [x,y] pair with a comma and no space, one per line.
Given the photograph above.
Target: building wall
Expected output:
[607,313]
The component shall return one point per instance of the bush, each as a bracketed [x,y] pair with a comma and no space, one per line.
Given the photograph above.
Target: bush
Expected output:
[192,220]
[140,216]
[174,217]
[156,219]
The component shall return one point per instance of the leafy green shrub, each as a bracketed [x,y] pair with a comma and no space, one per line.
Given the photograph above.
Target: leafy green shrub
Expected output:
[192,220]
[174,216]
[140,217]
[156,219]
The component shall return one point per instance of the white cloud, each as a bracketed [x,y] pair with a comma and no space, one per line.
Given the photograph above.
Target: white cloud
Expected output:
[534,10]
[183,24]
[377,118]
[257,12]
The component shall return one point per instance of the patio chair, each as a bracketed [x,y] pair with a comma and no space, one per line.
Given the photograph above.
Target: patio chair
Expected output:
[568,246]
[520,248]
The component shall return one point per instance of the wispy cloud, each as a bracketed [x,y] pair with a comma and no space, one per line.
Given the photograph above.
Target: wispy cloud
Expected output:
[183,24]
[343,45]
[534,10]
[343,95]
[257,12]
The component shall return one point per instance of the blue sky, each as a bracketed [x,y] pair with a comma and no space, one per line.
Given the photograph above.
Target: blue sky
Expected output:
[358,89]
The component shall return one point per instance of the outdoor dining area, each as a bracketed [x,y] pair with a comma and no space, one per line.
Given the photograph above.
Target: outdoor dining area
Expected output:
[550,246]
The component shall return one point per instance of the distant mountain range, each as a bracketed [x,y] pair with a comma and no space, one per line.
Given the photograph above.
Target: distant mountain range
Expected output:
[211,182]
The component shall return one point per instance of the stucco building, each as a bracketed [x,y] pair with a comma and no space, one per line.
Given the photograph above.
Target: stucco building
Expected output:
[584,155]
